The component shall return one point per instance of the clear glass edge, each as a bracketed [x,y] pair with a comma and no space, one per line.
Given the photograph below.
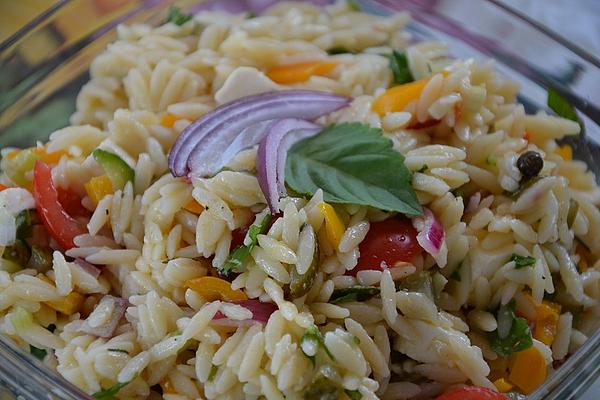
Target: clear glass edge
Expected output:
[29,378]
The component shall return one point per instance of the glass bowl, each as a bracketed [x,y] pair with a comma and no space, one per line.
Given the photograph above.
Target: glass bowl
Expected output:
[43,66]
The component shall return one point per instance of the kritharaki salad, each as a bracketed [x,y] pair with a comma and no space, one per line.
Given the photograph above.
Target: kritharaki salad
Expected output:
[303,203]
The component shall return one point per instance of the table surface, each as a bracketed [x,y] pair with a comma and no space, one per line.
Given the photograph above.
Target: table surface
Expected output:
[552,13]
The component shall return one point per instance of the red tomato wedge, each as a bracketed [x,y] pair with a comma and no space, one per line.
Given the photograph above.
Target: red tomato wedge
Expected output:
[390,241]
[61,225]
[472,393]
[71,202]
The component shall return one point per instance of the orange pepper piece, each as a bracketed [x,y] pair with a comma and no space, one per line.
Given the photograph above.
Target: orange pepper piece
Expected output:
[397,98]
[2,187]
[566,152]
[546,322]
[194,207]
[98,187]
[212,288]
[503,385]
[300,72]
[168,120]
[528,370]
[40,152]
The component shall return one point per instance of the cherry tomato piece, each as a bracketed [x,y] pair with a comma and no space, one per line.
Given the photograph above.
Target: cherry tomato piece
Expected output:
[61,225]
[390,241]
[472,393]
[71,202]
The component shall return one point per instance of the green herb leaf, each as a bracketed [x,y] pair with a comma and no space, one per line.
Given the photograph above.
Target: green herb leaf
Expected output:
[109,394]
[352,163]
[177,17]
[353,293]
[322,389]
[313,334]
[339,50]
[40,354]
[455,275]
[522,261]
[213,372]
[51,328]
[423,168]
[400,69]
[573,208]
[119,351]
[562,107]
[518,337]
[491,161]
[459,192]
[238,256]
[353,394]
[354,5]
[250,15]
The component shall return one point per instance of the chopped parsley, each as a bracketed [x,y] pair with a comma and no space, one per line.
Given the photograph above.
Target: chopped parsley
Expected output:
[522,261]
[238,256]
[177,17]
[517,338]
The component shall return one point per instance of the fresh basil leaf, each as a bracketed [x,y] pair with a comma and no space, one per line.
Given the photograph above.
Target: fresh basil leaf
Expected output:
[562,107]
[518,339]
[238,256]
[40,354]
[352,163]
[313,334]
[353,293]
[353,394]
[522,261]
[354,5]
[508,341]
[177,17]
[109,394]
[400,69]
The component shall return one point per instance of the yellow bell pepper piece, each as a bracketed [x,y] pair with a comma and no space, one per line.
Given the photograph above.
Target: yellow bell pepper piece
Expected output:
[68,305]
[212,288]
[528,370]
[194,207]
[300,72]
[566,152]
[168,120]
[334,227]
[503,385]
[546,322]
[98,187]
[397,98]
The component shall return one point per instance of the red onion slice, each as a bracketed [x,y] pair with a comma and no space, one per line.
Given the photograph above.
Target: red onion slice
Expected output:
[200,147]
[431,236]
[107,329]
[260,314]
[272,153]
[87,267]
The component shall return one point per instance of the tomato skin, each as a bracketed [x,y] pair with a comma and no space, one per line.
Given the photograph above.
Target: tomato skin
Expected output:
[390,241]
[61,225]
[71,202]
[472,393]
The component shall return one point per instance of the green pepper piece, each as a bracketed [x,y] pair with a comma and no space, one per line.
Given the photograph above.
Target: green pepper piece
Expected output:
[41,258]
[117,170]
[17,167]
[18,252]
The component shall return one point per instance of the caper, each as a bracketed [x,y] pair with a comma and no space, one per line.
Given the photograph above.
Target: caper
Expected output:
[530,164]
